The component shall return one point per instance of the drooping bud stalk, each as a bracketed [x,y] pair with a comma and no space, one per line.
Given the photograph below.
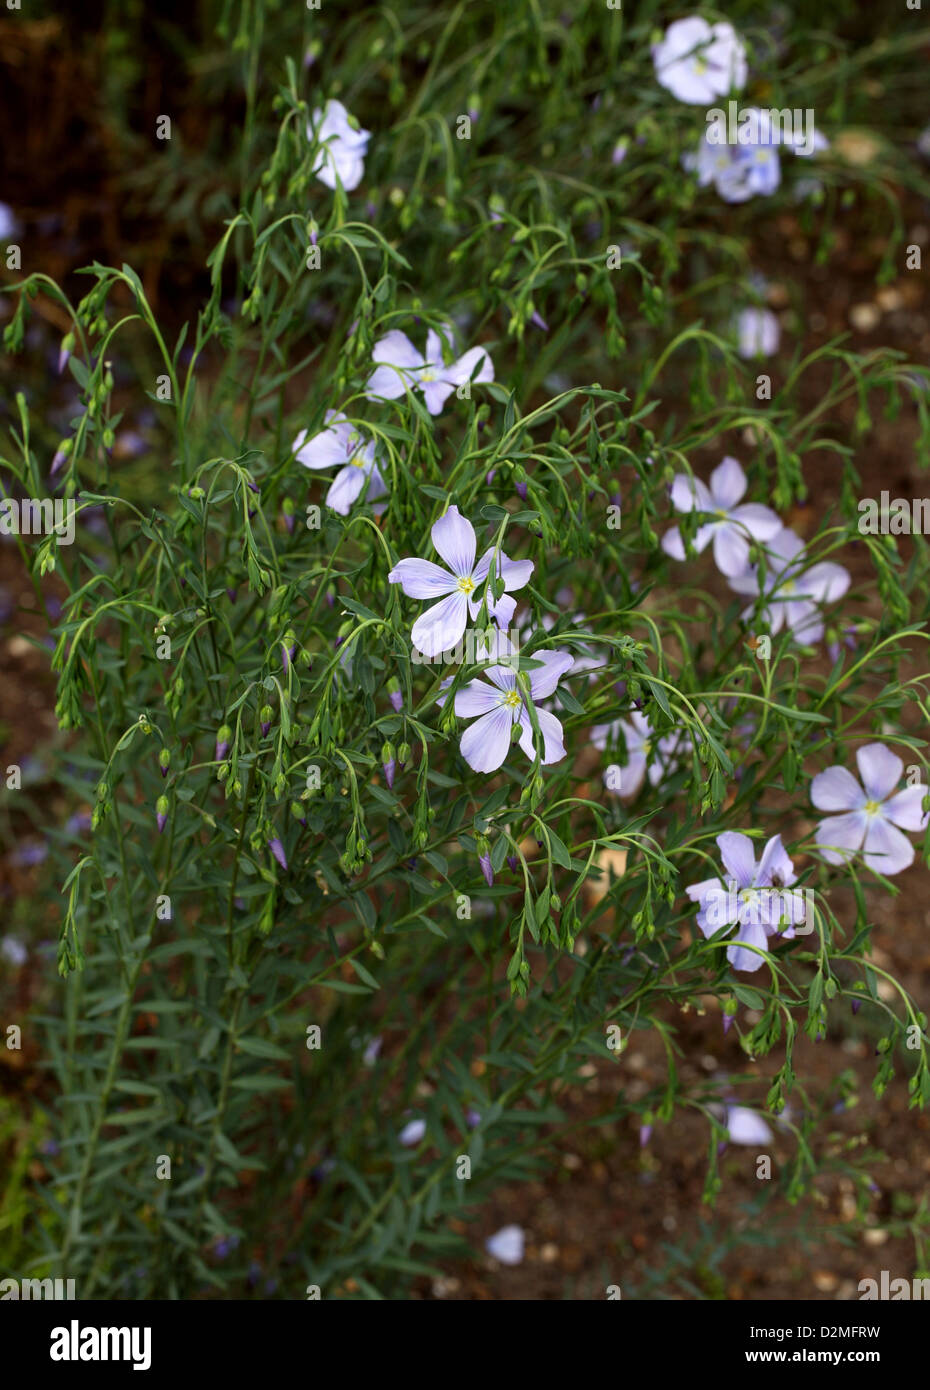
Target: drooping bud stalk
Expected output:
[164,761]
[61,456]
[65,351]
[161,813]
[388,762]
[484,859]
[223,735]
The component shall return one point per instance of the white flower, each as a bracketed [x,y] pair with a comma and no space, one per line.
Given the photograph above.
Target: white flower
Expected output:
[698,62]
[342,446]
[731,524]
[871,814]
[400,366]
[759,333]
[640,741]
[412,1133]
[342,146]
[506,1245]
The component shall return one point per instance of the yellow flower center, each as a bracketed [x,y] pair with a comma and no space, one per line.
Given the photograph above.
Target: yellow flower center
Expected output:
[512,699]
[466,586]
[872,808]
[357,461]
[700,65]
[427,375]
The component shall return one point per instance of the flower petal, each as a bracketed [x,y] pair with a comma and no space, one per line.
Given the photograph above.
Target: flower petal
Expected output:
[887,851]
[422,579]
[880,770]
[837,790]
[551,730]
[775,866]
[731,550]
[440,628]
[545,678]
[742,957]
[825,582]
[515,573]
[461,371]
[840,837]
[344,489]
[690,494]
[397,351]
[454,538]
[745,1126]
[327,449]
[727,483]
[435,394]
[673,544]
[739,857]
[905,809]
[476,698]
[485,744]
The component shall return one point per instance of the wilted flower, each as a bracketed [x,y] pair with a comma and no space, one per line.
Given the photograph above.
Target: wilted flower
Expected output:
[401,366]
[754,902]
[442,626]
[340,445]
[733,526]
[872,815]
[792,593]
[697,61]
[343,146]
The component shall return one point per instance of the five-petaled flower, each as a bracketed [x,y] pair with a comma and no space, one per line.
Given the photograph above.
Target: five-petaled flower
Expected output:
[730,525]
[791,592]
[501,698]
[872,815]
[343,146]
[442,626]
[342,446]
[697,61]
[755,901]
[401,366]
[640,742]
